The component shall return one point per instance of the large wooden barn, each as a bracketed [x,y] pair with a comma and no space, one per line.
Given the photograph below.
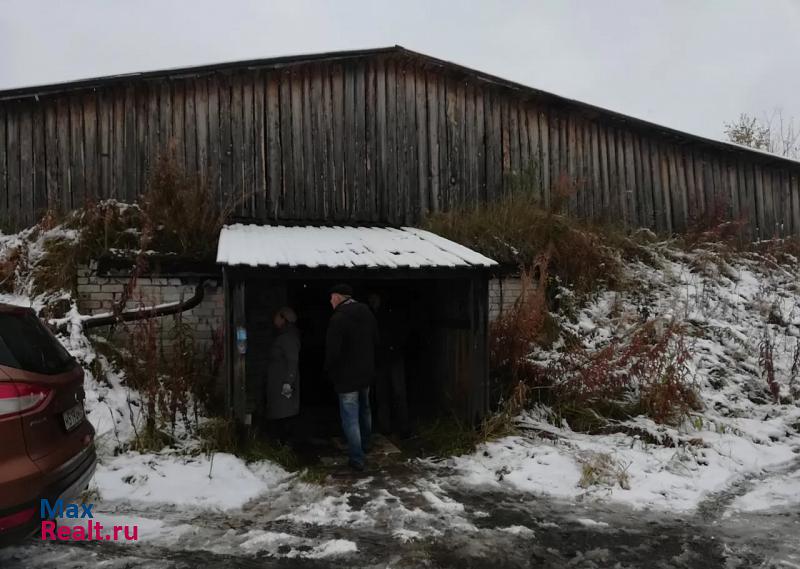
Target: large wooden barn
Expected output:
[374,138]
[379,136]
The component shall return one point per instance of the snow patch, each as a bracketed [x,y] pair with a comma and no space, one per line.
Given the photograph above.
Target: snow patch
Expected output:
[775,493]
[224,483]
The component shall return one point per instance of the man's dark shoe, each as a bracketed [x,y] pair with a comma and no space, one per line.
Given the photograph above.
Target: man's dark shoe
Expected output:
[357,466]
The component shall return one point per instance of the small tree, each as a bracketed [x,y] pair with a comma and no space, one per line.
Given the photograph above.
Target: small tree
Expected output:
[774,133]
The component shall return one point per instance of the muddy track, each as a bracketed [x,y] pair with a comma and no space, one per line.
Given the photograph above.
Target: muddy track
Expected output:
[450,525]
[714,506]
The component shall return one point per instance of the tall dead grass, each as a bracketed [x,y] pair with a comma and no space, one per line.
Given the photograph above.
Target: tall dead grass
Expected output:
[184,213]
[517,229]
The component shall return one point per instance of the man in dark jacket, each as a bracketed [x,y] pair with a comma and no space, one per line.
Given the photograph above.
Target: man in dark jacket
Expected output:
[350,363]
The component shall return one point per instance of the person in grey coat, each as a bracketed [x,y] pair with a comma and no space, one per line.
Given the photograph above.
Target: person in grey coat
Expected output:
[283,375]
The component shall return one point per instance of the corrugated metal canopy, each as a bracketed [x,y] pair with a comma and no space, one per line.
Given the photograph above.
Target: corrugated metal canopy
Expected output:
[342,247]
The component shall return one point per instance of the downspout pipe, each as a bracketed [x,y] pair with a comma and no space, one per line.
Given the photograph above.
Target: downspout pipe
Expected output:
[148,311]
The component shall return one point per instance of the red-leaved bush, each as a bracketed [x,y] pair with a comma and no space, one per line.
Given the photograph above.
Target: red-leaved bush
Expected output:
[644,372]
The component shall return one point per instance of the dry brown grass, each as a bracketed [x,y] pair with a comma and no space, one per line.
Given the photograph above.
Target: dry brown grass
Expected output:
[601,469]
[183,212]
[730,237]
[105,226]
[177,214]
[717,225]
[516,230]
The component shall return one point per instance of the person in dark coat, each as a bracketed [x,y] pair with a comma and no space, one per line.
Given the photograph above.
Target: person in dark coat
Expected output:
[390,380]
[350,344]
[283,375]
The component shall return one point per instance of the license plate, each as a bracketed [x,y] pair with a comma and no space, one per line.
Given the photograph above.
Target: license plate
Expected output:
[73,416]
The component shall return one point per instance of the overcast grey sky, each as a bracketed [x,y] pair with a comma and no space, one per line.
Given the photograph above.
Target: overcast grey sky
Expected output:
[686,64]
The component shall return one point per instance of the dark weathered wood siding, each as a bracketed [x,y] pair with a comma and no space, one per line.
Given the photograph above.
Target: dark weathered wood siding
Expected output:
[381,137]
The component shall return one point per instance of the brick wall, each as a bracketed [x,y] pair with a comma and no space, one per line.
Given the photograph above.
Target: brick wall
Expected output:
[503,293]
[98,294]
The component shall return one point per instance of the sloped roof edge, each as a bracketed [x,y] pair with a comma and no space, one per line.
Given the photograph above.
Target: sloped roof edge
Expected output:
[525,90]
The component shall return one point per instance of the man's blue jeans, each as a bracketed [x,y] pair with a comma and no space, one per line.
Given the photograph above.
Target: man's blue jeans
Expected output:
[356,422]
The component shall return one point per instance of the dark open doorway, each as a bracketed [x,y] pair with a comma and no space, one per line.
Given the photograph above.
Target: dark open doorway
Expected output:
[415,299]
[445,357]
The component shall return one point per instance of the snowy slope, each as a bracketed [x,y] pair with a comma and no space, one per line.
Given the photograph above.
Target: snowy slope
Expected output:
[729,306]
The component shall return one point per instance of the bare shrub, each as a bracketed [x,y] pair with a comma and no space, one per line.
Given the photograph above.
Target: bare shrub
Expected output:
[514,333]
[781,251]
[57,268]
[141,362]
[173,380]
[734,236]
[643,373]
[716,225]
[512,337]
[178,373]
[665,391]
[203,387]
[184,213]
[766,360]
[794,372]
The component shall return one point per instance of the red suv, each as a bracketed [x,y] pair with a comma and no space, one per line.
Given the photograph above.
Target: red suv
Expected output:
[46,443]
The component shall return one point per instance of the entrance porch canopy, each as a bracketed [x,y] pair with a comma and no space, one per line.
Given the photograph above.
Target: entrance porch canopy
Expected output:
[342,247]
[274,259]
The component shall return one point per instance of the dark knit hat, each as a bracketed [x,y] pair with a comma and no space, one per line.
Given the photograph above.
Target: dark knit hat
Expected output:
[343,289]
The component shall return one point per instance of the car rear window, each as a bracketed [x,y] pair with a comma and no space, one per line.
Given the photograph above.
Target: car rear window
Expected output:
[27,345]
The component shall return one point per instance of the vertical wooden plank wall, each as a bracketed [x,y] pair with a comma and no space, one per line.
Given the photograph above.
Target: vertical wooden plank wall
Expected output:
[384,139]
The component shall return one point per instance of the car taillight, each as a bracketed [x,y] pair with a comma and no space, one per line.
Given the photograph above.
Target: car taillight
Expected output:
[17,398]
[14,520]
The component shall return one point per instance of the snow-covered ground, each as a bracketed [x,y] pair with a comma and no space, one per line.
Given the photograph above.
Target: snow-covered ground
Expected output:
[778,492]
[729,307]
[223,505]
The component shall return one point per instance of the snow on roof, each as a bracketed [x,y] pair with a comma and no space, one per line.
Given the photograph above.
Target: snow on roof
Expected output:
[342,247]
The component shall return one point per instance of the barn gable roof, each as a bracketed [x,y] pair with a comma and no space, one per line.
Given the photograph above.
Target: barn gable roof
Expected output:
[524,91]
